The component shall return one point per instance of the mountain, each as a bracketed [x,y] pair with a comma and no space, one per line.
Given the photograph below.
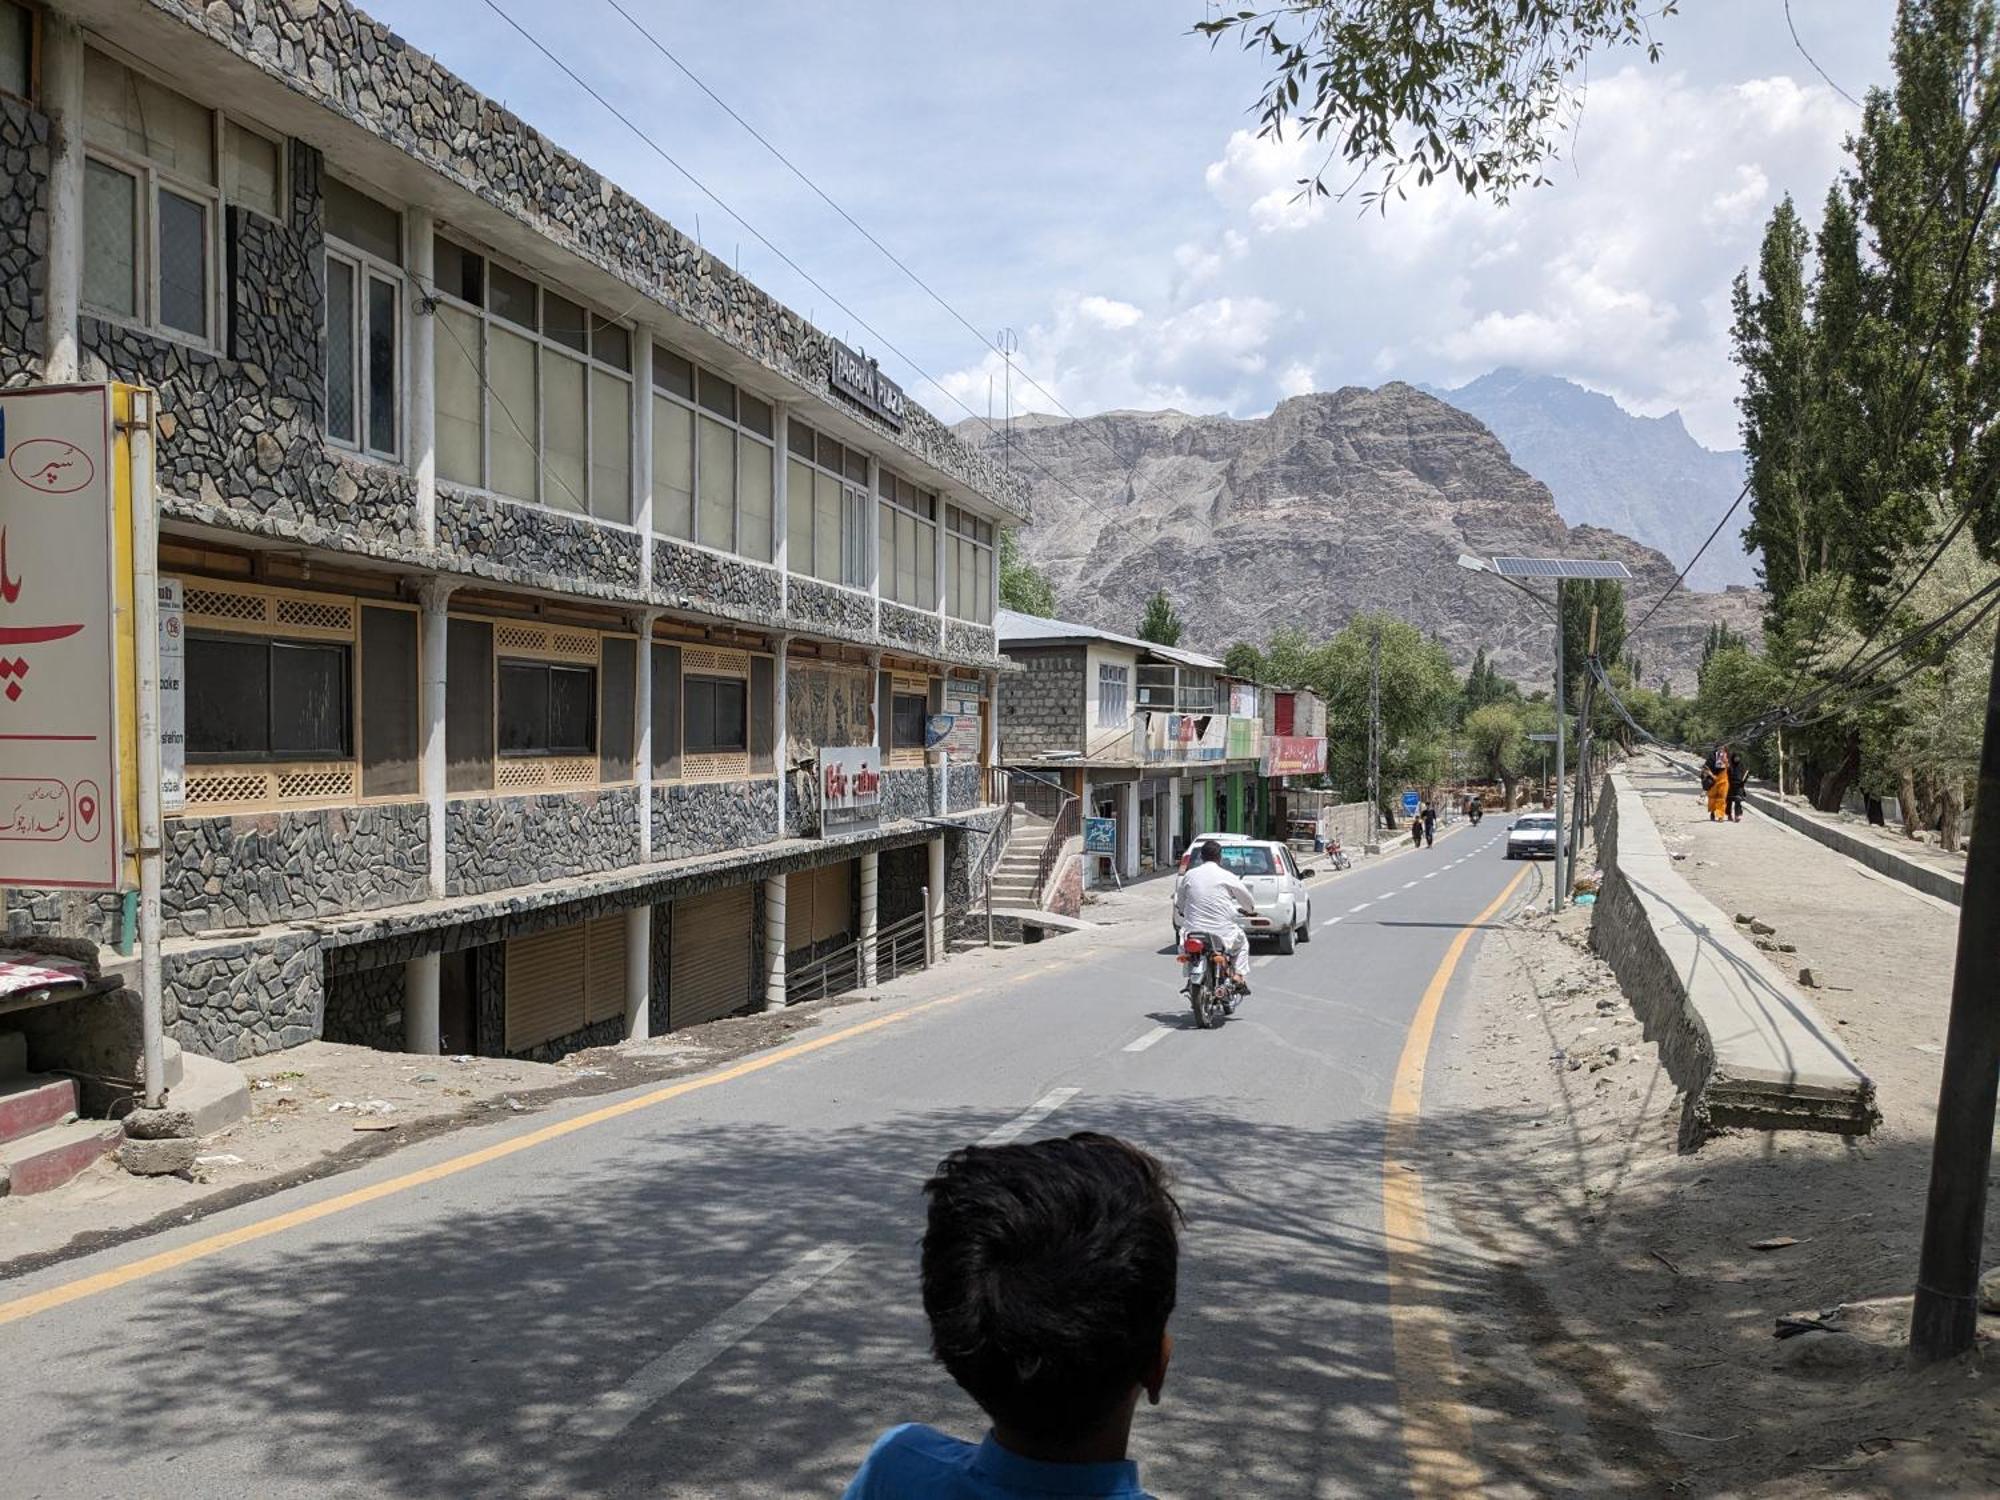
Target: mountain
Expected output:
[1644,476]
[1335,503]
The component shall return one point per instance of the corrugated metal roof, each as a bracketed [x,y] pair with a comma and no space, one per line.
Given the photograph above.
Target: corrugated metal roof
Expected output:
[1012,627]
[1559,567]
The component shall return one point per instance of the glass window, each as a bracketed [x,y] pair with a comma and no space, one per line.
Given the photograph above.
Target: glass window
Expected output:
[565,485]
[753,498]
[461,401]
[716,456]
[673,469]
[110,239]
[565,322]
[256,699]
[253,179]
[17,49]
[907,712]
[383,348]
[514,450]
[354,218]
[755,415]
[611,343]
[827,495]
[718,395]
[342,411]
[799,518]
[468,709]
[513,296]
[458,272]
[546,708]
[1113,702]
[610,446]
[127,113]
[673,374]
[389,733]
[618,743]
[716,721]
[183,263]
[828,524]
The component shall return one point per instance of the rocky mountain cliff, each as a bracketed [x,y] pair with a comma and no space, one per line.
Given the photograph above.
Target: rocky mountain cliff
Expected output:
[1335,503]
[1644,476]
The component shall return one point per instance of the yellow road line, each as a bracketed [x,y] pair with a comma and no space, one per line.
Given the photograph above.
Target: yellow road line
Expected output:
[215,1244]
[1437,1433]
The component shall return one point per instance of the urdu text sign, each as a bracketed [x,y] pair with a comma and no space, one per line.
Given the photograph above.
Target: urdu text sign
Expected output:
[58,649]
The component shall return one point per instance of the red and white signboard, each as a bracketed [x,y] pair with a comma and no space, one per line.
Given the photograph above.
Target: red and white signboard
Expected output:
[850,789]
[58,651]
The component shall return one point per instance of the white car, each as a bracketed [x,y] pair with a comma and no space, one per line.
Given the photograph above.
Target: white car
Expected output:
[1276,884]
[1532,836]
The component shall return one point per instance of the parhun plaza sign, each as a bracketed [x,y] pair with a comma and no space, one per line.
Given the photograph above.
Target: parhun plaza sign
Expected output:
[65,638]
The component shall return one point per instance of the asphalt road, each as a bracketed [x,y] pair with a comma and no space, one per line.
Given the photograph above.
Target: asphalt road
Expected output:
[715,1294]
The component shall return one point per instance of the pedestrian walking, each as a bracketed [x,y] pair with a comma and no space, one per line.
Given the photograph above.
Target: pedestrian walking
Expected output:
[1430,824]
[1739,773]
[1715,782]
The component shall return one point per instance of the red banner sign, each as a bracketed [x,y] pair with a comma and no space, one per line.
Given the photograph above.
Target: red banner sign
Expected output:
[1294,755]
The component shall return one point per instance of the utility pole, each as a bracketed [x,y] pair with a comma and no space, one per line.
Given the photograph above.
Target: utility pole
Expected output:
[1374,844]
[1580,805]
[1556,901]
[1945,1319]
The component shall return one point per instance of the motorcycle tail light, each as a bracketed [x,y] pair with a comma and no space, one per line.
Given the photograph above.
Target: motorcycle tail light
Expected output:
[1192,946]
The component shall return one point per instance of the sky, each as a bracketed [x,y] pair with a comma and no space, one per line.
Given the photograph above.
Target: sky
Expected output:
[1091,178]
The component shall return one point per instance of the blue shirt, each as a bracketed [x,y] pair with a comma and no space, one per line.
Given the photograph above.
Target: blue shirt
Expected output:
[912,1462]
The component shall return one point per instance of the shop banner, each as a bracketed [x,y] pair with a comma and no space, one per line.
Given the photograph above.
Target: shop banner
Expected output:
[850,789]
[1294,755]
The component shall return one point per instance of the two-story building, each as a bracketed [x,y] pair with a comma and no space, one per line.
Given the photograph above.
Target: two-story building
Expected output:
[533,565]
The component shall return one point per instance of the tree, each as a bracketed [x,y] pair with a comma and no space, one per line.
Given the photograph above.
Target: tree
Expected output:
[1774,350]
[1580,597]
[1162,624]
[1244,660]
[1023,586]
[1474,91]
[1418,697]
[1496,738]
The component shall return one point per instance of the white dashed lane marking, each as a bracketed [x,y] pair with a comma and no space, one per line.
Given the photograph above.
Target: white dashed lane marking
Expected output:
[1147,1040]
[1030,1117]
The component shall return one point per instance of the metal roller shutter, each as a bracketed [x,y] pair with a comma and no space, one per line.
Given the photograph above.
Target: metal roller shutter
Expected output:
[545,986]
[604,984]
[711,967]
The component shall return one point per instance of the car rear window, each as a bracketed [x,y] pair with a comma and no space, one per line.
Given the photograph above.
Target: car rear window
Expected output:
[1536,823]
[1247,859]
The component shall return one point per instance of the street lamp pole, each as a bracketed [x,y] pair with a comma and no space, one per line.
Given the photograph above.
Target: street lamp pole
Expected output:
[1557,904]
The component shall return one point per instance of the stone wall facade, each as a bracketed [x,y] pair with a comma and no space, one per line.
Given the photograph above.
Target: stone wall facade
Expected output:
[912,628]
[829,609]
[365,1007]
[705,816]
[965,786]
[493,843]
[24,239]
[906,794]
[521,543]
[243,999]
[274,867]
[1042,707]
[966,640]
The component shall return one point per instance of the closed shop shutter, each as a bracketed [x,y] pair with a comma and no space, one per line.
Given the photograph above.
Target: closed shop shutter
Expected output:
[832,900]
[545,987]
[604,981]
[711,964]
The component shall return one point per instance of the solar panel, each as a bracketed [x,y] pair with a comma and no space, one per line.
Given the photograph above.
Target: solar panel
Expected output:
[1559,567]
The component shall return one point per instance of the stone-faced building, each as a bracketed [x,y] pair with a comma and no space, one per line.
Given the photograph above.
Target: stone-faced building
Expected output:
[529,556]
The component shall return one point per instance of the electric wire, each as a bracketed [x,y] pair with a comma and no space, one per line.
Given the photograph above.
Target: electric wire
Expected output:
[1740,494]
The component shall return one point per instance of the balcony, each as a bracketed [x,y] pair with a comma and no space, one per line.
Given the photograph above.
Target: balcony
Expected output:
[1176,690]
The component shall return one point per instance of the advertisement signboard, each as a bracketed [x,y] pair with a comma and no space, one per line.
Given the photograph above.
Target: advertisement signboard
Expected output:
[1100,836]
[964,703]
[850,789]
[173,697]
[1294,755]
[65,590]
[1243,702]
[1410,801]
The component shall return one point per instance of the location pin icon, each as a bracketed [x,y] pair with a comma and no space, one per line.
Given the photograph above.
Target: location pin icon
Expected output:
[86,810]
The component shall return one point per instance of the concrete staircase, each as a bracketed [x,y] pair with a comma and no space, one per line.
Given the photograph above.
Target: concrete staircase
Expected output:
[1021,861]
[42,1142]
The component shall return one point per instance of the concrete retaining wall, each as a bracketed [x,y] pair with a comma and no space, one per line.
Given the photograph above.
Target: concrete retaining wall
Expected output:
[1938,883]
[1744,1046]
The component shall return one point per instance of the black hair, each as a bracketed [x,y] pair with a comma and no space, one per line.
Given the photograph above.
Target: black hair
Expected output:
[1049,1272]
[1211,851]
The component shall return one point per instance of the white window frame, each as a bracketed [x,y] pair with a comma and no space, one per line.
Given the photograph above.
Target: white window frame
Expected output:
[736,426]
[151,179]
[1113,674]
[964,529]
[543,343]
[854,510]
[934,521]
[365,265]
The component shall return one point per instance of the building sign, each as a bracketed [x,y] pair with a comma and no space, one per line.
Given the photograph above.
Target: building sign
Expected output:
[861,380]
[1243,702]
[1100,836]
[966,707]
[1410,800]
[59,658]
[850,789]
[173,697]
[1294,755]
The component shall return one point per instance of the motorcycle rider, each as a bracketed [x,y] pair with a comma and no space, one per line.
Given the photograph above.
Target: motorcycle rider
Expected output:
[1210,900]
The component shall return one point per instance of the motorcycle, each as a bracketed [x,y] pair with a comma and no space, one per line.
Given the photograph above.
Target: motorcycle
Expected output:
[1211,979]
[1337,856]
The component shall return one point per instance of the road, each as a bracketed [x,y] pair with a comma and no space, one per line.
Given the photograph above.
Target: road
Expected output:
[714,1293]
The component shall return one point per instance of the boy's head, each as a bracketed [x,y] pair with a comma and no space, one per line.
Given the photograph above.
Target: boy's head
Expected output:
[1211,852]
[1049,1272]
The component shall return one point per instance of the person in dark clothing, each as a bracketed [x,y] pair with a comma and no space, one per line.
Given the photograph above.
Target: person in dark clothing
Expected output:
[1430,824]
[1738,774]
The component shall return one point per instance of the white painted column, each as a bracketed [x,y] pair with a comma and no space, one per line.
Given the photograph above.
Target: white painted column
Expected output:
[434,597]
[62,96]
[1175,833]
[871,874]
[420,1004]
[1128,831]
[642,451]
[780,740]
[638,971]
[422,320]
[936,882]
[774,942]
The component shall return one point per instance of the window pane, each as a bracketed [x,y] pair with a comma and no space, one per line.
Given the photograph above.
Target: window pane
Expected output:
[228,698]
[616,746]
[309,715]
[468,722]
[699,729]
[341,421]
[753,498]
[110,239]
[732,728]
[512,297]
[17,35]
[565,322]
[611,343]
[907,721]
[253,172]
[672,373]
[128,112]
[673,469]
[666,712]
[383,350]
[857,466]
[388,703]
[984,583]
[458,395]
[365,223]
[511,366]
[906,557]
[610,447]
[855,534]
[885,551]
[952,547]
[524,708]
[829,453]
[755,415]
[763,715]
[183,264]
[826,527]
[799,517]
[458,272]
[717,473]
[718,395]
[572,710]
[799,438]
[562,433]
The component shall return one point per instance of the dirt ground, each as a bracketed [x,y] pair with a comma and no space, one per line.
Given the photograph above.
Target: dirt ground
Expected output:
[1615,1315]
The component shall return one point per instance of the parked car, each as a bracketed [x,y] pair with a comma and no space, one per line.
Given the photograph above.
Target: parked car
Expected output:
[1532,836]
[1276,882]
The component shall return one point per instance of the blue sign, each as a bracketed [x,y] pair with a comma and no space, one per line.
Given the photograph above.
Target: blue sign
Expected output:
[1100,836]
[1409,804]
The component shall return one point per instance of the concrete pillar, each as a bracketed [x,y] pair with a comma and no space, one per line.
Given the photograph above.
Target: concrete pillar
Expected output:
[774,943]
[638,970]
[871,871]
[642,452]
[434,597]
[935,880]
[62,97]
[420,1004]
[1128,830]
[1174,832]
[422,322]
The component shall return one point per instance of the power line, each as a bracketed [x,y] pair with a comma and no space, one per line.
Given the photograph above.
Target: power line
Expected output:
[1814,61]
[1695,559]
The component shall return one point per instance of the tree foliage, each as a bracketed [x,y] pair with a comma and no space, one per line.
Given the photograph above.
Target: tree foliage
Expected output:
[1579,597]
[1023,586]
[1477,92]
[1162,623]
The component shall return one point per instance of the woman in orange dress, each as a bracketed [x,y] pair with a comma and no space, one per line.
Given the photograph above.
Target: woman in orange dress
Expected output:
[1715,773]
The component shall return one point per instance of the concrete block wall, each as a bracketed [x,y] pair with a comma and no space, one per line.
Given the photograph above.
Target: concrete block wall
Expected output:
[1043,707]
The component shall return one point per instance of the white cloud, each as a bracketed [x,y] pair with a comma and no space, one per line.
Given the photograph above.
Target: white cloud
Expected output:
[1107,312]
